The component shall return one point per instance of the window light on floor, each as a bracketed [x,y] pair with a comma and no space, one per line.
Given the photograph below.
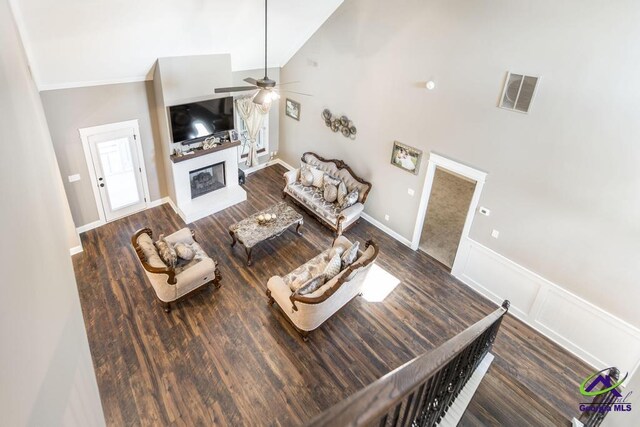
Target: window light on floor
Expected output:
[378,284]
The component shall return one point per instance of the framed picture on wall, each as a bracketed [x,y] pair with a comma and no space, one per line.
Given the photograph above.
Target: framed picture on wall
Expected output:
[406,157]
[292,109]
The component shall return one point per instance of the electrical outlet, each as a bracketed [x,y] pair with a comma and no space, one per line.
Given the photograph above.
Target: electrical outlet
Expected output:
[386,217]
[495,234]
[411,191]
[74,178]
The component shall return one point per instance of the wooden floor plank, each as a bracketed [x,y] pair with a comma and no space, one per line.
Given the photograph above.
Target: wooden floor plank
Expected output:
[225,357]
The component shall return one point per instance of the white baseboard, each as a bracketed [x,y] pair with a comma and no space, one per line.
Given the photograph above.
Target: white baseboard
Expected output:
[99,223]
[386,229]
[170,202]
[253,169]
[157,202]
[283,163]
[589,332]
[90,226]
[75,250]
[271,162]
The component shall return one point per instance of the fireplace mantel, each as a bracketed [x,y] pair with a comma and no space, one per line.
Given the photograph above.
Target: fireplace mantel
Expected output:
[198,153]
[192,209]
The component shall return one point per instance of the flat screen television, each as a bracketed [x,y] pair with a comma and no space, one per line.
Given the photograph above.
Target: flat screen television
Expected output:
[198,120]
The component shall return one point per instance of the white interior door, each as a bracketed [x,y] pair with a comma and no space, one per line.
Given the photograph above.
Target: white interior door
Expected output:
[119,174]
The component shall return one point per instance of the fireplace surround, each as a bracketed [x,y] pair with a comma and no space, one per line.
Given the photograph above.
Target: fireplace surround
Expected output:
[207,179]
[206,183]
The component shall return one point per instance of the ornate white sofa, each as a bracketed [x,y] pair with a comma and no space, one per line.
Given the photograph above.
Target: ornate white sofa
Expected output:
[312,199]
[308,312]
[172,284]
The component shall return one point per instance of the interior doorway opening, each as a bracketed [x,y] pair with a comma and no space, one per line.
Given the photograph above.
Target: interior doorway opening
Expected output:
[448,204]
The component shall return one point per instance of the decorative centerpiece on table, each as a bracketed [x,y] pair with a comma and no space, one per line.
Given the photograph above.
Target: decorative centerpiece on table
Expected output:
[266,218]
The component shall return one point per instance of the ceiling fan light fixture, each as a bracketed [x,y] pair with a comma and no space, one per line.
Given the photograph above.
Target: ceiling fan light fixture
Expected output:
[265,97]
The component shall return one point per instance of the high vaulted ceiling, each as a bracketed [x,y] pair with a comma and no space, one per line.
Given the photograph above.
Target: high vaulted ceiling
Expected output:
[84,42]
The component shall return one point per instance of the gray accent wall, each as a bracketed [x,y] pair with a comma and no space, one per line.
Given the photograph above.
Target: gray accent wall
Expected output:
[69,110]
[47,375]
[562,180]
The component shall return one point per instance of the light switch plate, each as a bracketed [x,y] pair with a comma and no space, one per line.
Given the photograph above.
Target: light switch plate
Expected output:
[74,178]
[484,211]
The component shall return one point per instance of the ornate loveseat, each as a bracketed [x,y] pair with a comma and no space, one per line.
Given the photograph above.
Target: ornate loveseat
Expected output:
[174,283]
[311,198]
[307,312]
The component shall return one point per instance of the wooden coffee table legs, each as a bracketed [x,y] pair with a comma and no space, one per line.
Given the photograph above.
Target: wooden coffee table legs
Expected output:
[249,260]
[247,250]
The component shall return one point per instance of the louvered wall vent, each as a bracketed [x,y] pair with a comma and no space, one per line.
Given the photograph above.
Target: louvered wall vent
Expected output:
[518,92]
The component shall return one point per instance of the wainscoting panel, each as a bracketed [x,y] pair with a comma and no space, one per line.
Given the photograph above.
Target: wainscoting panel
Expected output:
[594,335]
[496,277]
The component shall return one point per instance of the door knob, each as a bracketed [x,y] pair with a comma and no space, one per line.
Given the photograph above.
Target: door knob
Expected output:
[101,185]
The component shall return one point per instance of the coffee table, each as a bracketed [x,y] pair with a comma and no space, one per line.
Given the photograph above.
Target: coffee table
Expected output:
[249,232]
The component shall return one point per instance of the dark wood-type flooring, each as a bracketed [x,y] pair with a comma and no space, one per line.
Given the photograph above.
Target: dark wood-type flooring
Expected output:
[225,357]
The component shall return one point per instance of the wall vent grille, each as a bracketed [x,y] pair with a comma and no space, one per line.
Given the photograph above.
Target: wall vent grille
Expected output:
[518,92]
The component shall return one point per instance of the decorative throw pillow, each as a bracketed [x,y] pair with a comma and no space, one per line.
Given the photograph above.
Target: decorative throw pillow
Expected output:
[328,179]
[166,252]
[350,255]
[350,199]
[306,177]
[312,285]
[330,193]
[333,268]
[339,250]
[342,192]
[184,251]
[318,177]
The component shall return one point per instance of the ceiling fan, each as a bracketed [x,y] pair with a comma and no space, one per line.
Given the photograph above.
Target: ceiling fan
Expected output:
[266,92]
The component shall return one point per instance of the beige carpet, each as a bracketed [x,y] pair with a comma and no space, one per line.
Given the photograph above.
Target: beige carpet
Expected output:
[450,198]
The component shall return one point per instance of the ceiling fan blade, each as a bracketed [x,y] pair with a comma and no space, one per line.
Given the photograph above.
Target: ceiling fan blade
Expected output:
[297,93]
[234,89]
[251,80]
[287,83]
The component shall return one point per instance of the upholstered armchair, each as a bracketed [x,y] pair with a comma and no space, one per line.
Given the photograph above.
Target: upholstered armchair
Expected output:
[174,283]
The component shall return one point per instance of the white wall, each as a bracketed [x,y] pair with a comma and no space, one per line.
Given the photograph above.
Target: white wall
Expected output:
[76,43]
[47,375]
[562,185]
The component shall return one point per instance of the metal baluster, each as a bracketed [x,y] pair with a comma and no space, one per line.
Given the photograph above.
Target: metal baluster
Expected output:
[416,404]
[407,408]
[396,415]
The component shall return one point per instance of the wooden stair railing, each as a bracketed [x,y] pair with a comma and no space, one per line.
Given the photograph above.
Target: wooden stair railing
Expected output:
[420,392]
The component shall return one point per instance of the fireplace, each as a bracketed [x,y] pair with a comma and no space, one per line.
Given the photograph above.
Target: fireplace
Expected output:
[207,179]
